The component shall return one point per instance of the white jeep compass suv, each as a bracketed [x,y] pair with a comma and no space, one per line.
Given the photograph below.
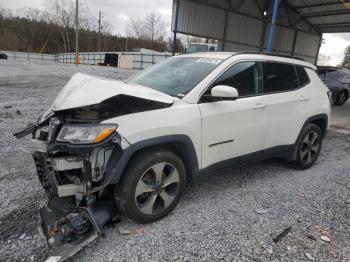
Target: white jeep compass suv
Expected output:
[106,147]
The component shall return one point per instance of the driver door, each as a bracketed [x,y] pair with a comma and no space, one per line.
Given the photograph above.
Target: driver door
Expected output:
[235,128]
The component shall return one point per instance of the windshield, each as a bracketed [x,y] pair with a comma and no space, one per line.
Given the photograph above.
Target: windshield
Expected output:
[195,48]
[176,76]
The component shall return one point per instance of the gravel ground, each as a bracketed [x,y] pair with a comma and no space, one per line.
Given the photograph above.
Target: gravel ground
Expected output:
[231,215]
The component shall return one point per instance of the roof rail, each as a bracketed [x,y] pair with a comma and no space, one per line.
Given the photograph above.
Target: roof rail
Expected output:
[261,53]
[332,67]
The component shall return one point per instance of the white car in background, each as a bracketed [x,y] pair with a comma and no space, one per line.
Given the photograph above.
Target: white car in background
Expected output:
[106,146]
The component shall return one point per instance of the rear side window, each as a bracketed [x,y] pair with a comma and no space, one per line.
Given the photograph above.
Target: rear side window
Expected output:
[302,76]
[343,75]
[332,74]
[279,77]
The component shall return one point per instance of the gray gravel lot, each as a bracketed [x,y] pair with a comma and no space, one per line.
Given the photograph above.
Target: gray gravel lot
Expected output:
[230,215]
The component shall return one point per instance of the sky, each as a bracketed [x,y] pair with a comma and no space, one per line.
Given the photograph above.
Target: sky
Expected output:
[119,11]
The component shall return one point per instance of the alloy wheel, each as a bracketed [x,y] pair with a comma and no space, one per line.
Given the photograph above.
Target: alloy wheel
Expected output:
[342,98]
[157,188]
[310,147]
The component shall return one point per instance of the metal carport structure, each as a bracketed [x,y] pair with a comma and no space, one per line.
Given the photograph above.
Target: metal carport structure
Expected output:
[294,27]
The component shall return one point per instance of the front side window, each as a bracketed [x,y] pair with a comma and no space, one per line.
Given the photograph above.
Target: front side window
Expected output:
[246,77]
[176,76]
[279,77]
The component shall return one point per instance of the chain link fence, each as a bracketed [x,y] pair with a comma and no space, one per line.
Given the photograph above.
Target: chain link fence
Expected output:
[23,56]
[127,60]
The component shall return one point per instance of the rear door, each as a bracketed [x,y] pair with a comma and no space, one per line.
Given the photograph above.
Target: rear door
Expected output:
[288,101]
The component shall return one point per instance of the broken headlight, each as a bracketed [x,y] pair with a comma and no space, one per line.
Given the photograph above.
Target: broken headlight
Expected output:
[85,134]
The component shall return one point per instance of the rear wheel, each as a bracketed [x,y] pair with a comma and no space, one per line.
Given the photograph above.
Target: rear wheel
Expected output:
[151,186]
[342,97]
[308,147]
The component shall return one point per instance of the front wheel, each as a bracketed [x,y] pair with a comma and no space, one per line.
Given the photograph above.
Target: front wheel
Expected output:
[308,147]
[152,185]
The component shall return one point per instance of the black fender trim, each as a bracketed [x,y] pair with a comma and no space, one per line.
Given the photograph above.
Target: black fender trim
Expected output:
[191,161]
[315,118]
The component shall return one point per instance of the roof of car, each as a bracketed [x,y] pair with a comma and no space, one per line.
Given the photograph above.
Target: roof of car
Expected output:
[252,55]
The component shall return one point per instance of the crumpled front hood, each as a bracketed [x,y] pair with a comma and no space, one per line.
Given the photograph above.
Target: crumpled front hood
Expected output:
[84,90]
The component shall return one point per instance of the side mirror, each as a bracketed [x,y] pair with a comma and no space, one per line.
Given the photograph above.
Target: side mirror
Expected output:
[222,93]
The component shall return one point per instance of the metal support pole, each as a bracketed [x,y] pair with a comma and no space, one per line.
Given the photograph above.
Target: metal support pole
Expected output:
[318,49]
[225,32]
[273,26]
[175,26]
[295,39]
[76,31]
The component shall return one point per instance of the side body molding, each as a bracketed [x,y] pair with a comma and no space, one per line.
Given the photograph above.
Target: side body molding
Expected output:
[191,160]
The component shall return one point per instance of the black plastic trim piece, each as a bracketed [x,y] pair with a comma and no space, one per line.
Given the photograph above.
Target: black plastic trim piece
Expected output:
[30,129]
[279,151]
[131,150]
[311,119]
[221,142]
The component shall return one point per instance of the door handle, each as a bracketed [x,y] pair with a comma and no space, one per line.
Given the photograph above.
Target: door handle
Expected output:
[260,106]
[303,98]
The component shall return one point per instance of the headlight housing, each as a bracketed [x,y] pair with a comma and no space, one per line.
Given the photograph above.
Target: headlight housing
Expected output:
[85,134]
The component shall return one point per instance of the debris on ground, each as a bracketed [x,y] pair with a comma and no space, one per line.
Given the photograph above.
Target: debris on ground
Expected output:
[123,230]
[282,234]
[262,211]
[325,238]
[309,236]
[7,106]
[309,257]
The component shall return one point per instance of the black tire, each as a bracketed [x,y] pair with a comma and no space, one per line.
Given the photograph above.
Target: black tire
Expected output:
[140,173]
[308,147]
[341,99]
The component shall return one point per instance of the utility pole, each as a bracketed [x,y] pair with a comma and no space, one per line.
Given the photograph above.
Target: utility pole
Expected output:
[175,25]
[99,32]
[76,32]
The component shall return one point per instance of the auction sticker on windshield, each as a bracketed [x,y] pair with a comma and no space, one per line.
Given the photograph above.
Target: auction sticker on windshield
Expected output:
[209,60]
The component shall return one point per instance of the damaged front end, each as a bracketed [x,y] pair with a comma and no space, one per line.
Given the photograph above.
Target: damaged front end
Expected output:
[72,159]
[76,156]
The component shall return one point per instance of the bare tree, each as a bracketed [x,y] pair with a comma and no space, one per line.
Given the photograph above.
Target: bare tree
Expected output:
[151,27]
[5,12]
[346,61]
[323,60]
[63,14]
